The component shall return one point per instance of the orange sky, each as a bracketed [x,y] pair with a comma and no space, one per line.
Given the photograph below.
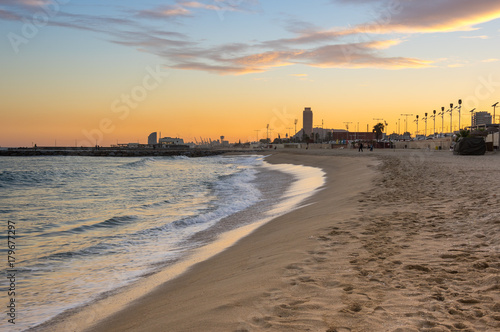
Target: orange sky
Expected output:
[194,69]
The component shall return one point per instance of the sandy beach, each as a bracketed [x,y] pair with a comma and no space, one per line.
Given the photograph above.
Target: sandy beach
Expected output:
[396,241]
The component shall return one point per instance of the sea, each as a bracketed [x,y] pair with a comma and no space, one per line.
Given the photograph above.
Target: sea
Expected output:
[85,227]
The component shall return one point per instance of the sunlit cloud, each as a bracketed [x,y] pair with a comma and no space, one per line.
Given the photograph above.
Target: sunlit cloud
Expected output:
[27,3]
[413,17]
[359,46]
[475,37]
[164,12]
[218,69]
[491,60]
[429,16]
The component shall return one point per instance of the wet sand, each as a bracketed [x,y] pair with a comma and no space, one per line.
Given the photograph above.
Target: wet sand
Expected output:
[396,241]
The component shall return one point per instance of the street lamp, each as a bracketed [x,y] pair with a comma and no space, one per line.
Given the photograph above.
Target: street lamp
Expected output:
[425,132]
[451,118]
[471,117]
[433,116]
[494,107]
[442,120]
[416,136]
[459,109]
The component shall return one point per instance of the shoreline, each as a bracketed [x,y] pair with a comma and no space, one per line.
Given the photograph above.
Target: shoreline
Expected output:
[112,301]
[219,290]
[396,241]
[230,261]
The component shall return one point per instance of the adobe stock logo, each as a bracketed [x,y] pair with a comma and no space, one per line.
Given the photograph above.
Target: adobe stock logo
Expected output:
[31,27]
[124,104]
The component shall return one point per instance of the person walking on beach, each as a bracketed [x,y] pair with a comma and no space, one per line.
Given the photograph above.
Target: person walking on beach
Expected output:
[360,147]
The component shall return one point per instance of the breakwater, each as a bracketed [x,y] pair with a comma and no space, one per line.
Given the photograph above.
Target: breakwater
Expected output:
[116,152]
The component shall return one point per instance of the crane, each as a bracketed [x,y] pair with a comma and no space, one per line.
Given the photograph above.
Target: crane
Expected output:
[406,121]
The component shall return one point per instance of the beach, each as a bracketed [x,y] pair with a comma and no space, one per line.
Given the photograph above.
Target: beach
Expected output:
[395,241]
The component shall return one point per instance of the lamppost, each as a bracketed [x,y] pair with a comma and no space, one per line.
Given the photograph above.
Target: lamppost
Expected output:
[425,132]
[451,118]
[442,120]
[459,117]
[494,107]
[416,135]
[434,117]
[471,117]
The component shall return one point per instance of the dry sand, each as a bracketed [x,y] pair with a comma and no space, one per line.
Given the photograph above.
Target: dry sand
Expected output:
[396,241]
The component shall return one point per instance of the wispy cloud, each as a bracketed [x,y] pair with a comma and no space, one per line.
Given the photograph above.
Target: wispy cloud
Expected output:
[475,37]
[425,16]
[491,60]
[186,8]
[25,3]
[437,16]
[306,43]
[164,12]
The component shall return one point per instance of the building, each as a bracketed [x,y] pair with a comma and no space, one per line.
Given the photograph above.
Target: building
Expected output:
[481,119]
[332,135]
[307,121]
[153,139]
[171,141]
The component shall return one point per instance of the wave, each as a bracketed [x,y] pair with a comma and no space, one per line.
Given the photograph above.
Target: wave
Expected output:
[233,193]
[109,223]
[138,163]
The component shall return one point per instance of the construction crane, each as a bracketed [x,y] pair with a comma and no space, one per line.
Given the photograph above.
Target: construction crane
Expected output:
[406,121]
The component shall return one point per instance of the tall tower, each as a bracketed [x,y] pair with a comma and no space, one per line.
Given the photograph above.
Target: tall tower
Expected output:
[153,139]
[307,121]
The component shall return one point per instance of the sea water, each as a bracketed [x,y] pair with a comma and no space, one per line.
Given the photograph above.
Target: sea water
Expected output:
[86,226]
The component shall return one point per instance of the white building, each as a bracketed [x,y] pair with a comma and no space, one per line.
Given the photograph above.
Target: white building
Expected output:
[171,141]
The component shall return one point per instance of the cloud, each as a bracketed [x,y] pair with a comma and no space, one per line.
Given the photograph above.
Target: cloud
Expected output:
[436,16]
[358,55]
[9,15]
[184,8]
[218,69]
[360,46]
[25,3]
[475,37]
[406,16]
[164,12]
[491,60]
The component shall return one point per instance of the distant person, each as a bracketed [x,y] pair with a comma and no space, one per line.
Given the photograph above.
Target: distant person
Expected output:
[371,147]
[360,147]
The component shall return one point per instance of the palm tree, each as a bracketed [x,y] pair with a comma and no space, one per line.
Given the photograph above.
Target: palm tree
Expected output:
[378,129]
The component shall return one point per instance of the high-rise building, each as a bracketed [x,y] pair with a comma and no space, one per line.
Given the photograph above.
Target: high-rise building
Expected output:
[307,121]
[153,138]
[481,119]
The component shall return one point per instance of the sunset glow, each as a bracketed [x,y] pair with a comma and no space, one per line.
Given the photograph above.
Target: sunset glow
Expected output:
[86,72]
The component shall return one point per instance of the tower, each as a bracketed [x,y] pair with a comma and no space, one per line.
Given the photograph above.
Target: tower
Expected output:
[307,121]
[153,139]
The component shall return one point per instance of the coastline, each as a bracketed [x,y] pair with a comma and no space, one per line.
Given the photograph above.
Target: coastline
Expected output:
[395,241]
[222,293]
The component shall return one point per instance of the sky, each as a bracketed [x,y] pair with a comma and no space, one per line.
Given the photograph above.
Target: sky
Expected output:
[78,72]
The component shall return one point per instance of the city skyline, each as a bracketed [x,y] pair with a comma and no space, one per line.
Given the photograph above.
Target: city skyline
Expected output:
[79,72]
